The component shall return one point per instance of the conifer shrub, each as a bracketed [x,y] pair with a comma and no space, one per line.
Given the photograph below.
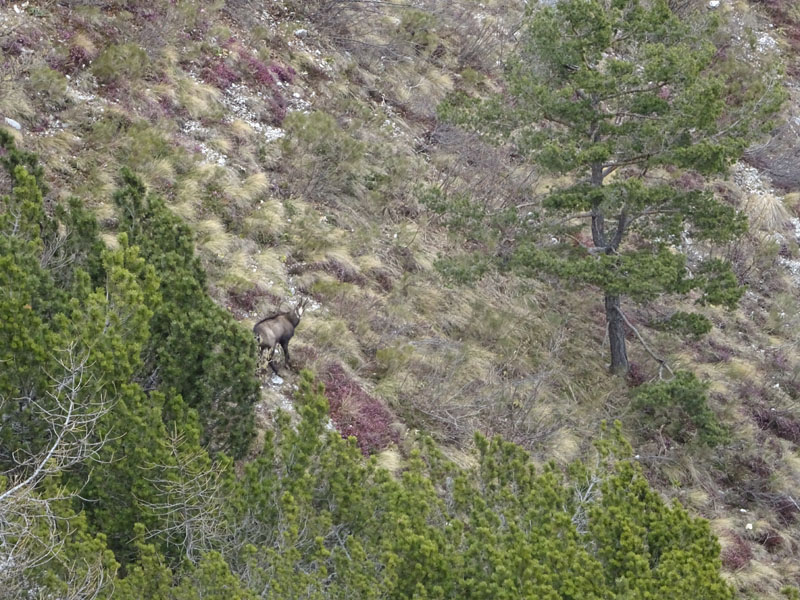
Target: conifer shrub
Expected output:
[684,323]
[679,408]
[418,28]
[196,348]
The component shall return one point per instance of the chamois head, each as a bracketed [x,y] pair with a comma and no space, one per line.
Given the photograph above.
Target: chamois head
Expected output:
[300,307]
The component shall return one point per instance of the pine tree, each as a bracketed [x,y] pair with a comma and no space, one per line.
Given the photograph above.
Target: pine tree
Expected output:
[623,96]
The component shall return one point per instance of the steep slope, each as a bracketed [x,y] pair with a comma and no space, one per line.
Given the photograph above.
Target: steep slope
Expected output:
[300,142]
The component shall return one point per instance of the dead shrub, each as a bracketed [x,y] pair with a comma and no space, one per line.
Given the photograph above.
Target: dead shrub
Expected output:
[244,302]
[772,541]
[342,272]
[779,422]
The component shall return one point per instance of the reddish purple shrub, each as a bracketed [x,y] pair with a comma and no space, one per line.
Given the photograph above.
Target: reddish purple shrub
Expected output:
[737,555]
[284,74]
[772,541]
[780,423]
[278,107]
[690,181]
[258,71]
[77,58]
[219,74]
[12,46]
[303,356]
[200,30]
[636,375]
[786,509]
[357,413]
[342,272]
[719,352]
[241,303]
[384,279]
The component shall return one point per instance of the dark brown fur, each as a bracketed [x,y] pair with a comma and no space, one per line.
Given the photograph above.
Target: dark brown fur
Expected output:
[278,329]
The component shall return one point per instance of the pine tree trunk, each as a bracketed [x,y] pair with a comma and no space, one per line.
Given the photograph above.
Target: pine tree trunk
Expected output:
[616,336]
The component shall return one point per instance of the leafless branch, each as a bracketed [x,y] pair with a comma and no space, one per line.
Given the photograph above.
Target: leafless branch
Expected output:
[661,362]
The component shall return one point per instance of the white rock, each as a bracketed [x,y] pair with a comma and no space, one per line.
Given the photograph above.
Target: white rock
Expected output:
[301,33]
[713,4]
[276,379]
[13,123]
[748,526]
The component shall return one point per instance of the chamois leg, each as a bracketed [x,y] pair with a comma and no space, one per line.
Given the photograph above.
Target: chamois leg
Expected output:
[285,346]
[260,360]
[270,358]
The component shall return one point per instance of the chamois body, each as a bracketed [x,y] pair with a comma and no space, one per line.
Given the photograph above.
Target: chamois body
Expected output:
[277,329]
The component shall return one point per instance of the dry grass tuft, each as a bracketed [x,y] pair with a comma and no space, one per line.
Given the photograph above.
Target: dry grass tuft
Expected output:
[211,236]
[198,99]
[241,131]
[14,103]
[766,212]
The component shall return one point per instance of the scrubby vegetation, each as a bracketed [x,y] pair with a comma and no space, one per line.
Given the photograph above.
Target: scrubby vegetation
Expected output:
[106,465]
[418,173]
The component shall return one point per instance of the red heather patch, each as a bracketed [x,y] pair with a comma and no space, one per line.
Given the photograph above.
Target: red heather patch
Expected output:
[737,555]
[258,70]
[356,413]
[278,106]
[219,74]
[284,74]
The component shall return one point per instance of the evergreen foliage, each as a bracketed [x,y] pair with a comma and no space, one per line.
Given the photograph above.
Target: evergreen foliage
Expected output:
[196,348]
[610,92]
[108,490]
[679,407]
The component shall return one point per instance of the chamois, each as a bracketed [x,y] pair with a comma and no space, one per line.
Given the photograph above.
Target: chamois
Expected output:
[278,329]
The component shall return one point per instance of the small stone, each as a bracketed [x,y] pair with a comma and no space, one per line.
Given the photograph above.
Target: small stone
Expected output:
[301,34]
[749,526]
[713,4]
[13,123]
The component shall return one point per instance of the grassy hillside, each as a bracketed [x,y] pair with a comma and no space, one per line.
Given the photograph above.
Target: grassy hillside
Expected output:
[299,140]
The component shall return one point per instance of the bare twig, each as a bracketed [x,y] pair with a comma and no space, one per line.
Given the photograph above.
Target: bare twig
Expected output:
[661,362]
